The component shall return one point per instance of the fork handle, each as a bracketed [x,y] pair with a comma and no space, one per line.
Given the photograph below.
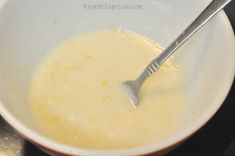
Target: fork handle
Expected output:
[212,9]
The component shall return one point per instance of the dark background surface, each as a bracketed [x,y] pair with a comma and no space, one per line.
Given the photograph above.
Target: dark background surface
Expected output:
[212,140]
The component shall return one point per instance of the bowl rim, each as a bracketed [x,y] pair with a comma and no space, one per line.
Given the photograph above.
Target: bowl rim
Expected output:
[178,137]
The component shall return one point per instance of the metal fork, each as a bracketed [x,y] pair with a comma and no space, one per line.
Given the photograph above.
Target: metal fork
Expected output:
[133,87]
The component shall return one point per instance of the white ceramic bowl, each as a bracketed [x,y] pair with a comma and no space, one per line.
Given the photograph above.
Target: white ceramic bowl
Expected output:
[29,29]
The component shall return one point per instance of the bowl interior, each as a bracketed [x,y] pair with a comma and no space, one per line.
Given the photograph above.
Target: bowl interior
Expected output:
[29,29]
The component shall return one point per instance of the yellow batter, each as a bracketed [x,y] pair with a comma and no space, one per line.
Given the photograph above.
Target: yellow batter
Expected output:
[76,97]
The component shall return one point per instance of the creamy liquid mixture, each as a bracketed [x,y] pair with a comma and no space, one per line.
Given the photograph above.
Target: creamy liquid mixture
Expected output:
[76,95]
